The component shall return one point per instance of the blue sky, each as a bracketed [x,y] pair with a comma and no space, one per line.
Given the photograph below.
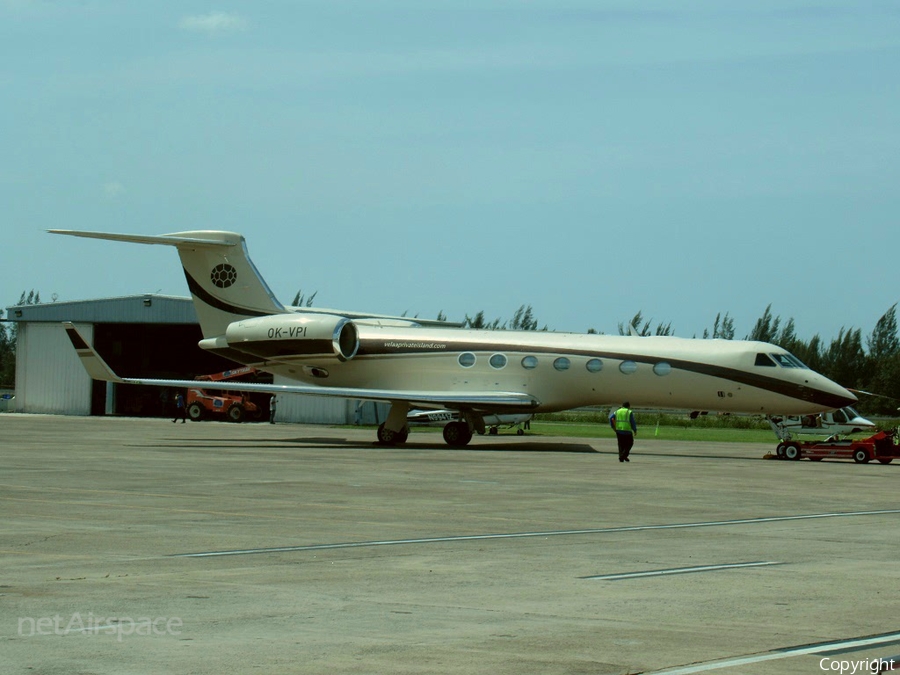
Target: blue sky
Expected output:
[591,159]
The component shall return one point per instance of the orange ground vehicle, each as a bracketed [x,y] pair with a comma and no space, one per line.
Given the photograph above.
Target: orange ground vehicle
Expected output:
[209,403]
[881,447]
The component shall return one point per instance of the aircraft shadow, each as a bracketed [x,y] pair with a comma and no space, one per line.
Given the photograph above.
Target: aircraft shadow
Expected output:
[512,446]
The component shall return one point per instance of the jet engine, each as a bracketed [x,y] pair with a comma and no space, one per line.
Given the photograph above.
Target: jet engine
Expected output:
[299,334]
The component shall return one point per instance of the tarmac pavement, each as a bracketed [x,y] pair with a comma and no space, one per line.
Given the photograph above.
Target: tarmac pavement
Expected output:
[142,546]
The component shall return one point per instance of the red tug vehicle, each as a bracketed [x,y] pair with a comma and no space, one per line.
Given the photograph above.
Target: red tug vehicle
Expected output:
[235,407]
[881,447]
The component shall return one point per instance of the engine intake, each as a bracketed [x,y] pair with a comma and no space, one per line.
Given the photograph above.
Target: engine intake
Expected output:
[298,334]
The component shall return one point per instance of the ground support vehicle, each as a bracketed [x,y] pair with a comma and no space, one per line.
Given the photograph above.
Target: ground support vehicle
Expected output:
[209,404]
[881,447]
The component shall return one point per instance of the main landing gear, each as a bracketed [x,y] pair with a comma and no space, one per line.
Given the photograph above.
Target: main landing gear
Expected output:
[389,437]
[457,434]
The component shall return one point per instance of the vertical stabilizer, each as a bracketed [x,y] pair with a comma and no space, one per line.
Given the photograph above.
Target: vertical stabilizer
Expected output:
[224,282]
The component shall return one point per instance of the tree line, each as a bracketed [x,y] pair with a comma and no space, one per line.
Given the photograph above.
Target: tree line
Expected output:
[868,363]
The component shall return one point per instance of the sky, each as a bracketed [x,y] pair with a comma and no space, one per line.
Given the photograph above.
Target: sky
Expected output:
[591,159]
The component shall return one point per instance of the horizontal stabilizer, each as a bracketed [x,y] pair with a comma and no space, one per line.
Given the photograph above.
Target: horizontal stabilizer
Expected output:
[176,239]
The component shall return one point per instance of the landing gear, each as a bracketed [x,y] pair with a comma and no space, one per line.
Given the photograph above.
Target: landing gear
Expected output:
[457,434]
[388,437]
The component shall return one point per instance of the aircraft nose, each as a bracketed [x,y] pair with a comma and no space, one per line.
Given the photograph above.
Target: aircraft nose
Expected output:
[835,396]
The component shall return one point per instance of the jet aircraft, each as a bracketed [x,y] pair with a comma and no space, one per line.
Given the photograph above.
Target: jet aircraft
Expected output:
[478,373]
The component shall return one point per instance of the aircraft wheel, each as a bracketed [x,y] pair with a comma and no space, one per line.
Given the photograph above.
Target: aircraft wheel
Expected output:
[457,434]
[779,451]
[520,432]
[885,460]
[195,412]
[792,451]
[236,413]
[403,435]
[861,456]
[494,431]
[388,437]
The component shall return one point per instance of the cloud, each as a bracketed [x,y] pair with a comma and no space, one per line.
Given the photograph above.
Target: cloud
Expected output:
[113,190]
[214,23]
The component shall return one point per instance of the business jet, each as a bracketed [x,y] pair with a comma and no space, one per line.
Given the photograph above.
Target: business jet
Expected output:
[419,364]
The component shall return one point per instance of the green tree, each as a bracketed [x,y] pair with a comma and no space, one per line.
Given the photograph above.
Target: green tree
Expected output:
[883,365]
[845,359]
[301,301]
[723,328]
[524,319]
[766,327]
[7,355]
[645,330]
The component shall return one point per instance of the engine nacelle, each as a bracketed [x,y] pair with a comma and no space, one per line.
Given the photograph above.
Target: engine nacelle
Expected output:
[296,334]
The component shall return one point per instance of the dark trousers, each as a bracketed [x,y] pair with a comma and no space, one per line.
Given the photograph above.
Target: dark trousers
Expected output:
[626,441]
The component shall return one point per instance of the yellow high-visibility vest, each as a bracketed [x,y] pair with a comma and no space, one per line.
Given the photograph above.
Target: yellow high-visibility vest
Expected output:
[623,419]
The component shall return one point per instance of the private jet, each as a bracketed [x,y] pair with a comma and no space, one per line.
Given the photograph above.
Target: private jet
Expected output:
[477,373]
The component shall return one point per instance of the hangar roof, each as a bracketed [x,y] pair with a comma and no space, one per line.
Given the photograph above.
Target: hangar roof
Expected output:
[148,308]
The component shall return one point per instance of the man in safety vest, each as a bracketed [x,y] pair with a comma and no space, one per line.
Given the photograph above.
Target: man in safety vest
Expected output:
[622,422]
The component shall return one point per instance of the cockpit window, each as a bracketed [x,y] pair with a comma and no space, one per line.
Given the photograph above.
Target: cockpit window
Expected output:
[764,360]
[840,417]
[788,360]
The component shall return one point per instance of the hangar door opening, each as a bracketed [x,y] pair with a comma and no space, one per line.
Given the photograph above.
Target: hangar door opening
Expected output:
[164,351]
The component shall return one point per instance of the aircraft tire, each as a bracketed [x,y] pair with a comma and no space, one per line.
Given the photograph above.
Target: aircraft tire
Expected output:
[457,434]
[792,452]
[388,437]
[520,432]
[195,412]
[861,456]
[236,413]
[885,460]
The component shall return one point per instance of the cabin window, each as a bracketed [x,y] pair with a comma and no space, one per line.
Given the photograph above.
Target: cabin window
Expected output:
[497,361]
[662,368]
[594,365]
[529,362]
[466,359]
[764,360]
[562,363]
[840,417]
[628,367]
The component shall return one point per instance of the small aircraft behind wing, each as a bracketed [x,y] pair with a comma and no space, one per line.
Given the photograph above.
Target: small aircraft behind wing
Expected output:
[478,373]
[491,422]
[833,425]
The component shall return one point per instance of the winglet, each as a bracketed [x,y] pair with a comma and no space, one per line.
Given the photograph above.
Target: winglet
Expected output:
[93,364]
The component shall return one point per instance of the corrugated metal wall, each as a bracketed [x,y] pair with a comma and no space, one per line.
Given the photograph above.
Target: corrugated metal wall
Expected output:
[49,374]
[327,410]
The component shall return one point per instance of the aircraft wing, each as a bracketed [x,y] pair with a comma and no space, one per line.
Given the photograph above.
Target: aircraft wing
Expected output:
[98,369]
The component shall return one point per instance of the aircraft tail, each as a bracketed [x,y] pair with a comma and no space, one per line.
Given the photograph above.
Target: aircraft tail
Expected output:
[224,283]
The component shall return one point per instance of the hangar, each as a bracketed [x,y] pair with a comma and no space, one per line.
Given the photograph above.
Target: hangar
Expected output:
[153,336]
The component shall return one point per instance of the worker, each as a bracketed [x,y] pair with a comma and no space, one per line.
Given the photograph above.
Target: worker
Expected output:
[273,403]
[180,410]
[622,422]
